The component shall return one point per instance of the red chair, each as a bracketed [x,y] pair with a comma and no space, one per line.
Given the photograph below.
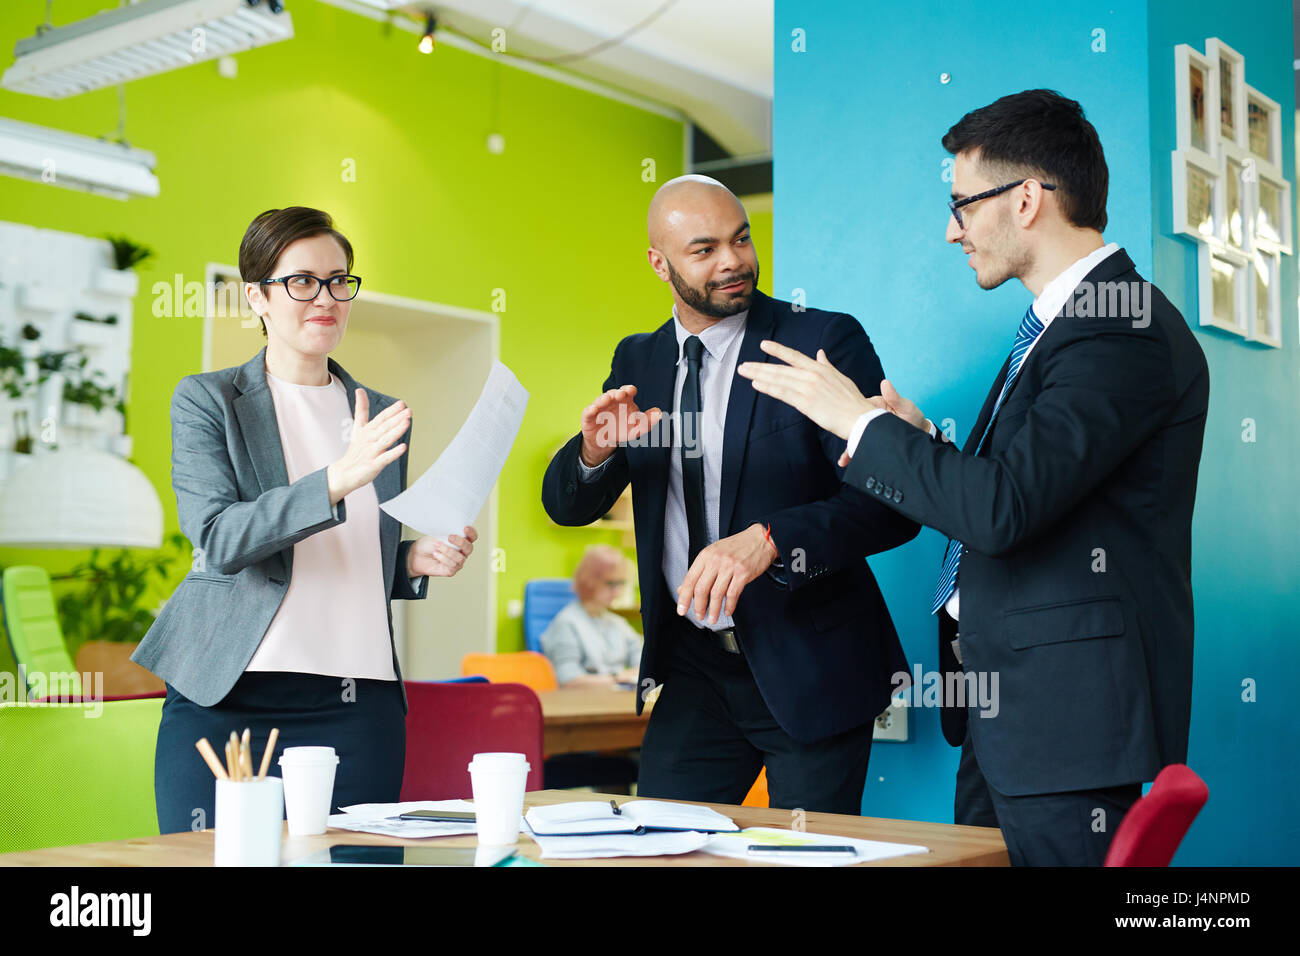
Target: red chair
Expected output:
[447,724]
[1156,823]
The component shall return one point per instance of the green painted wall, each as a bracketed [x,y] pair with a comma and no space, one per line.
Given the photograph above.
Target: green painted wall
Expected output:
[557,220]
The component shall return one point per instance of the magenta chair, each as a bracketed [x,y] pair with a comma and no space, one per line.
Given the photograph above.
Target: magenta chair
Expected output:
[1155,825]
[448,723]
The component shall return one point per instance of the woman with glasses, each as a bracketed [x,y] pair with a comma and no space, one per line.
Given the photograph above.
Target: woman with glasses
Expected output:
[279,466]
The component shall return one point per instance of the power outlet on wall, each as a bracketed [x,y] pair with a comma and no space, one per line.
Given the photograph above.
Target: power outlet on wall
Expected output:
[892,724]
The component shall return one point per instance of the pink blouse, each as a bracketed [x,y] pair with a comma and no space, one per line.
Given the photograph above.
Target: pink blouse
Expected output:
[334,617]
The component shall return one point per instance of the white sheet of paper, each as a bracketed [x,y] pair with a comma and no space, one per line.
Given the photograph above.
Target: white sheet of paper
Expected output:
[452,492]
[377,818]
[735,845]
[619,844]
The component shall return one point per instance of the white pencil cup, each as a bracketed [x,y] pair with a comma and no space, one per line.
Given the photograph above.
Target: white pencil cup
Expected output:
[250,815]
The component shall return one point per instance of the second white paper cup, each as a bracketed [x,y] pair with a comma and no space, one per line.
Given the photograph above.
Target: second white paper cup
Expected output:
[308,774]
[498,781]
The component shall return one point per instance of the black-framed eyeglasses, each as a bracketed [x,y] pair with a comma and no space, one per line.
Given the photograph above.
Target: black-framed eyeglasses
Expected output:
[954,206]
[304,286]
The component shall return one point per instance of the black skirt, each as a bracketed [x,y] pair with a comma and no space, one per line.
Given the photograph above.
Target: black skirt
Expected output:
[361,719]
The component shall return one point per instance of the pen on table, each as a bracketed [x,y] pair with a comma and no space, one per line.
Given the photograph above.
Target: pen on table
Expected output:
[270,748]
[615,806]
[210,758]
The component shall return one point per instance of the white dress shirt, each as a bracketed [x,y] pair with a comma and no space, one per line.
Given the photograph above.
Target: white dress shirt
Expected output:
[1046,306]
[717,371]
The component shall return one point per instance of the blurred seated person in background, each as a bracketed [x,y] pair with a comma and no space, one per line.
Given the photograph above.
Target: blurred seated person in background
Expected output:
[587,643]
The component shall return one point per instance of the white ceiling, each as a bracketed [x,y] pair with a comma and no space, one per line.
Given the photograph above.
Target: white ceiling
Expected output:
[711,59]
[729,39]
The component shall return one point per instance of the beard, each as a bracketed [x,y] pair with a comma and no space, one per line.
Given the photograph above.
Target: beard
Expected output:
[701,300]
[1010,258]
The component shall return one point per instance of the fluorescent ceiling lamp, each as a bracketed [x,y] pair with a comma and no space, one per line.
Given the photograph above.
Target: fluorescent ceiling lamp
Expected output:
[78,162]
[124,44]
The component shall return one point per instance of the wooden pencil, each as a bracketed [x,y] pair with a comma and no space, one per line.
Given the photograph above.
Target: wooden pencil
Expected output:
[210,758]
[270,749]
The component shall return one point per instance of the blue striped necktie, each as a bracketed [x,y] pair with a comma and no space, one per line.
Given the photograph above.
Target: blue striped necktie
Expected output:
[1030,328]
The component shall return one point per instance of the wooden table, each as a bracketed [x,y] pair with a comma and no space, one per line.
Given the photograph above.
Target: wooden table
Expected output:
[949,845]
[580,719]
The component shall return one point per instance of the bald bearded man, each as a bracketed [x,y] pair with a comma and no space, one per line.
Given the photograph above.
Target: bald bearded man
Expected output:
[761,619]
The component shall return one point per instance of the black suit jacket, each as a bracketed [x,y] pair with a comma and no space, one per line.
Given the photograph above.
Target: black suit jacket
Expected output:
[1076,522]
[822,647]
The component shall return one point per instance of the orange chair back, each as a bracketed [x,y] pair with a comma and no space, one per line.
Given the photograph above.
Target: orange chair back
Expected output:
[757,796]
[522,667]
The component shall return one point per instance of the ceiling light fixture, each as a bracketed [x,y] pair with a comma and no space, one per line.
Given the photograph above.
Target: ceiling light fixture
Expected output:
[141,39]
[78,162]
[430,25]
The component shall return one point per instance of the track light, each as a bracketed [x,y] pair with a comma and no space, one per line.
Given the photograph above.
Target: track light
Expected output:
[426,41]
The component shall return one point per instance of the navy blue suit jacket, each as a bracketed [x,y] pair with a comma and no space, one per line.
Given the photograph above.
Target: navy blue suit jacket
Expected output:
[1076,517]
[821,645]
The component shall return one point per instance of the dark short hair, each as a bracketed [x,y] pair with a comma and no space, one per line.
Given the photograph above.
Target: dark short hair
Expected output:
[275,230]
[1042,134]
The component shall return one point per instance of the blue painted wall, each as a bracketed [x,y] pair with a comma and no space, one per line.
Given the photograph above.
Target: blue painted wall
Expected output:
[859,225]
[1247,525]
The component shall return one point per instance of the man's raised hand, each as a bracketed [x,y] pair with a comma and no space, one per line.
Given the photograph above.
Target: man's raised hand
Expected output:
[612,420]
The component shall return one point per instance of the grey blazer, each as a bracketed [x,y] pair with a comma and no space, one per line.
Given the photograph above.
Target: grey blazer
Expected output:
[236,506]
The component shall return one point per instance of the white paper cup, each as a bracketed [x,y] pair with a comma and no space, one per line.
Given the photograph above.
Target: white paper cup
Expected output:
[249,818]
[308,774]
[498,781]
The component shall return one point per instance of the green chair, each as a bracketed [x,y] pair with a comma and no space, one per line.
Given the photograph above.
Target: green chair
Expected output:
[34,633]
[77,773]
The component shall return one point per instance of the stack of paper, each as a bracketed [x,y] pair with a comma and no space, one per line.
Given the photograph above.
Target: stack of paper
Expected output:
[382,818]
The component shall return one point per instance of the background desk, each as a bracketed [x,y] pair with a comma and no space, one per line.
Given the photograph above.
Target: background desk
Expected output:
[949,845]
[591,718]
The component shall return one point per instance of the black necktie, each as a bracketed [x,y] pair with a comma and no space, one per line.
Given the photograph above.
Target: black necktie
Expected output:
[693,449]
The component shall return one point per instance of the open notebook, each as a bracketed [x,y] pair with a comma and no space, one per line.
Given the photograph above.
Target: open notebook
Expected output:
[591,817]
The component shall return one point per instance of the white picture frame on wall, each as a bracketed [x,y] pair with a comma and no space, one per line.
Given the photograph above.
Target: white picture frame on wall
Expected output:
[1196,99]
[1230,91]
[1272,211]
[1263,128]
[1198,207]
[1266,299]
[1237,197]
[1224,290]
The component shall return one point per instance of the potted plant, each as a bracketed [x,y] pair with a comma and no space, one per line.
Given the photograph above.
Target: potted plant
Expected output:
[88,392]
[128,254]
[121,279]
[103,621]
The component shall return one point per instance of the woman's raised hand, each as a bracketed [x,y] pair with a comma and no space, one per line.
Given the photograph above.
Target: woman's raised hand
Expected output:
[368,452]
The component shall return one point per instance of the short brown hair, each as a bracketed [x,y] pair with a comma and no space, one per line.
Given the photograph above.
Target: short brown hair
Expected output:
[275,230]
[1041,134]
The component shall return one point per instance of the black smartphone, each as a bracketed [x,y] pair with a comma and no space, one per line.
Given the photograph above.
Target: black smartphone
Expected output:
[439,816]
